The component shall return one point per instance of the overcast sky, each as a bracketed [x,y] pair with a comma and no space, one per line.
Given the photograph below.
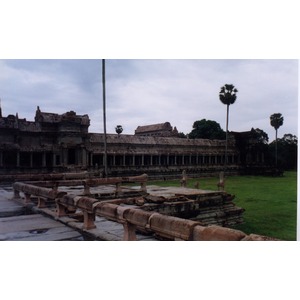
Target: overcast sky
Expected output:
[142,92]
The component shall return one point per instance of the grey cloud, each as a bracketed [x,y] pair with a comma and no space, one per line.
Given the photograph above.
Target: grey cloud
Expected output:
[140,91]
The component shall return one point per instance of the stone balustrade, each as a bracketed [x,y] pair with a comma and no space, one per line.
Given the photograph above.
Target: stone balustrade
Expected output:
[132,217]
[168,227]
[94,182]
[43,194]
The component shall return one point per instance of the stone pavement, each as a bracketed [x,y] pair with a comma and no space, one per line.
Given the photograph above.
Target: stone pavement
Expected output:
[18,223]
[35,228]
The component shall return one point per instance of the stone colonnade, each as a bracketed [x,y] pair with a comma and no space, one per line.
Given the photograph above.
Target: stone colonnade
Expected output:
[161,159]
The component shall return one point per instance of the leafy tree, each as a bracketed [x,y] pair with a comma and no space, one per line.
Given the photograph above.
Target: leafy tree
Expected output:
[227,96]
[290,139]
[207,129]
[287,148]
[182,135]
[261,136]
[276,121]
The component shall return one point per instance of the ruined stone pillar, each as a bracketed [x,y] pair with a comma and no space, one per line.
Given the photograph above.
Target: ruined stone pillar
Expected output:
[16,194]
[84,157]
[124,160]
[78,156]
[64,156]
[114,159]
[143,159]
[86,189]
[129,232]
[1,159]
[41,202]
[151,160]
[61,210]
[91,162]
[30,160]
[133,159]
[44,159]
[88,220]
[27,198]
[18,159]
[118,188]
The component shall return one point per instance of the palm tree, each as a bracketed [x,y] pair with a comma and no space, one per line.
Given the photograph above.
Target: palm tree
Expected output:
[276,121]
[119,129]
[227,96]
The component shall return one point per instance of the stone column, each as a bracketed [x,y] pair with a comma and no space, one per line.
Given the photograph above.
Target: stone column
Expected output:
[18,159]
[63,156]
[53,159]
[44,159]
[84,157]
[91,159]
[1,159]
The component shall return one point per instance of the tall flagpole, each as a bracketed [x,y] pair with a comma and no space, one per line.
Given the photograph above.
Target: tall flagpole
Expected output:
[104,118]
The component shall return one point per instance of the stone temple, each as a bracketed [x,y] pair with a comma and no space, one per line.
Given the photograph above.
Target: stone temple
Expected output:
[54,143]
[58,166]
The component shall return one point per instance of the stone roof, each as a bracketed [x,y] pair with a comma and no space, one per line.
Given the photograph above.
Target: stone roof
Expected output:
[153,127]
[49,117]
[70,116]
[153,140]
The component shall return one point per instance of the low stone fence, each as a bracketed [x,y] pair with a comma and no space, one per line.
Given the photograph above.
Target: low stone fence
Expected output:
[43,194]
[131,217]
[85,183]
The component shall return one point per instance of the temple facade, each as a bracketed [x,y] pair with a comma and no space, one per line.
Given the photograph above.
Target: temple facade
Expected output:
[61,143]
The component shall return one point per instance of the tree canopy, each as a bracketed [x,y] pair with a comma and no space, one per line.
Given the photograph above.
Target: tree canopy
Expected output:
[276,120]
[262,137]
[287,151]
[227,94]
[207,129]
[119,129]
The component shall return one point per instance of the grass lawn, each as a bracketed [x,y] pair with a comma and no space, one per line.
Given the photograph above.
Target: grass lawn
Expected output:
[270,202]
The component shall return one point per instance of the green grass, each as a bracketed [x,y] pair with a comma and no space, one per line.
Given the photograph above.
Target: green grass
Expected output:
[270,203]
